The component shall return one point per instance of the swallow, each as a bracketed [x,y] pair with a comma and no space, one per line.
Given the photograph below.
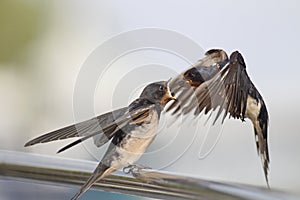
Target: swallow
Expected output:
[131,130]
[229,91]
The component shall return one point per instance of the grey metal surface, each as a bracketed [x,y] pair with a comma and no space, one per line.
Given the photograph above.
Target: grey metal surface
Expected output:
[16,166]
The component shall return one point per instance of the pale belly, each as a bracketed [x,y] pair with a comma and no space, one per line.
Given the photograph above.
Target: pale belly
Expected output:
[137,143]
[133,151]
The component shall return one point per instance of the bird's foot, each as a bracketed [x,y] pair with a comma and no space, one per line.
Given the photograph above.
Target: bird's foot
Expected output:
[131,169]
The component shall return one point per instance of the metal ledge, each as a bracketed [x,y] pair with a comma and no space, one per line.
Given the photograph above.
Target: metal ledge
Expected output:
[147,183]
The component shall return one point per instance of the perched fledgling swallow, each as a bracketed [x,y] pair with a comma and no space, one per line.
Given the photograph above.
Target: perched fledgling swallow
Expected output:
[232,91]
[132,129]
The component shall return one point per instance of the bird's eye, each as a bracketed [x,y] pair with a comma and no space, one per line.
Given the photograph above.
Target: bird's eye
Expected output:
[161,88]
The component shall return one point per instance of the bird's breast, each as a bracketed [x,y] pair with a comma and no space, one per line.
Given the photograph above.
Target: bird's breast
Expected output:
[134,144]
[253,108]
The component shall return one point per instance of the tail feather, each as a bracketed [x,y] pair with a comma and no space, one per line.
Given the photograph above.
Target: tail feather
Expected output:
[262,149]
[100,172]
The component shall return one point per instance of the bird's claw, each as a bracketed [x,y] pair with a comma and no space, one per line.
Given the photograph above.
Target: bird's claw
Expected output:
[131,169]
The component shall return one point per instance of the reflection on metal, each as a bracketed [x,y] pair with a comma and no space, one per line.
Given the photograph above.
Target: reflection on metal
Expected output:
[147,183]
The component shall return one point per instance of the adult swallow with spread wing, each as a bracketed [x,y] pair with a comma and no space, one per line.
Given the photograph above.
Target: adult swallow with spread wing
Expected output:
[132,129]
[230,90]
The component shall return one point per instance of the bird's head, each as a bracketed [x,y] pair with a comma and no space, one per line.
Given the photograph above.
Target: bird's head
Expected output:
[193,77]
[158,92]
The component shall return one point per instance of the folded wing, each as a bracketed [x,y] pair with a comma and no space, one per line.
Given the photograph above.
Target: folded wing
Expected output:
[87,127]
[131,116]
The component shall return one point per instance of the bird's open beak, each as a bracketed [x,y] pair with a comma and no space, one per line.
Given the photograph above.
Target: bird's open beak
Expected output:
[168,96]
[171,97]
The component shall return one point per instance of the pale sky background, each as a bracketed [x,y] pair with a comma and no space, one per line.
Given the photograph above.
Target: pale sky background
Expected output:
[39,98]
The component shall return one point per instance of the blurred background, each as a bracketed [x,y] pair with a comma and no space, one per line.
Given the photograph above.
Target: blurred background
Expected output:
[44,44]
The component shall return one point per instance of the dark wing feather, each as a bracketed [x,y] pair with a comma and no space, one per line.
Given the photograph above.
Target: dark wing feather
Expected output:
[134,116]
[79,129]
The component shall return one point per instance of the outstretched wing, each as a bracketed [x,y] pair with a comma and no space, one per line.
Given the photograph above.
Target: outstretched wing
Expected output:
[228,90]
[184,84]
